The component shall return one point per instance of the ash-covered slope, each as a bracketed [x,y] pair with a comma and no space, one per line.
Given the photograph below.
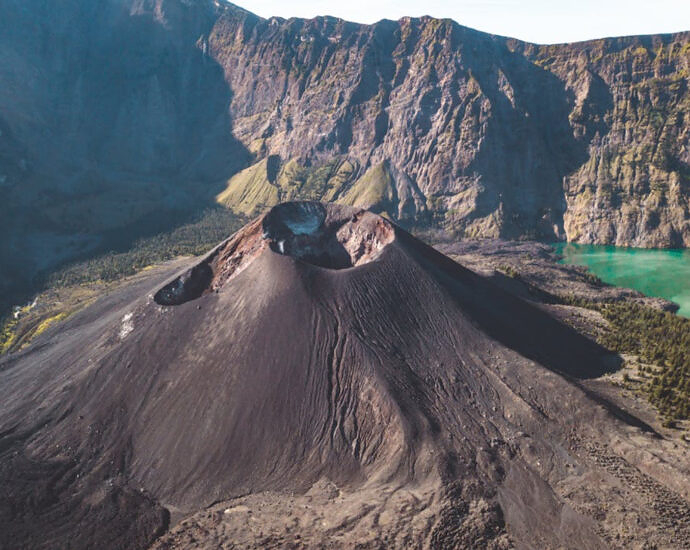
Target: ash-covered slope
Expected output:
[331,377]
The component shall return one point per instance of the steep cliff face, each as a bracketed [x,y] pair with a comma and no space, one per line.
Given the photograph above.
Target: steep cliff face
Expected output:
[429,98]
[113,123]
[122,116]
[632,107]
[117,86]
[587,141]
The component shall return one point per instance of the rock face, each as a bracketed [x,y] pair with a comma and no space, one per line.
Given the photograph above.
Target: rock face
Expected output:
[324,367]
[586,141]
[120,117]
[113,124]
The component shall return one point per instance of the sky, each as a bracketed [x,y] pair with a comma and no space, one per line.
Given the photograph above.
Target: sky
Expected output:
[540,21]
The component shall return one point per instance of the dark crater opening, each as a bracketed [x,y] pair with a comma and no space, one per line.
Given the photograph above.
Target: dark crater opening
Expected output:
[188,286]
[297,229]
[294,218]
[334,237]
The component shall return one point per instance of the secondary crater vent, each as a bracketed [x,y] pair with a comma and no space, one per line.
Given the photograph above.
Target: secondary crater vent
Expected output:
[325,235]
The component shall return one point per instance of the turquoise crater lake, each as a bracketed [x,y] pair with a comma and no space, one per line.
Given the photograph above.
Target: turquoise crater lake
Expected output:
[655,272]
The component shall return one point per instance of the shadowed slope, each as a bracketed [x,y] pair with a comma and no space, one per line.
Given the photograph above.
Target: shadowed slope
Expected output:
[510,320]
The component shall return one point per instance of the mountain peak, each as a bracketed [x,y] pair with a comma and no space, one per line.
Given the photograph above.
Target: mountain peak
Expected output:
[326,235]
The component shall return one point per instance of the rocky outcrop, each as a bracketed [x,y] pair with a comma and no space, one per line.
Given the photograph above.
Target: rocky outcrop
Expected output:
[123,116]
[586,142]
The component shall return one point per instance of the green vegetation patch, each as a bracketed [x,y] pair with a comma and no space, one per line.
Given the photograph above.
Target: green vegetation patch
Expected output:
[43,325]
[269,182]
[8,334]
[660,338]
[375,189]
[510,271]
[250,190]
[188,240]
[657,337]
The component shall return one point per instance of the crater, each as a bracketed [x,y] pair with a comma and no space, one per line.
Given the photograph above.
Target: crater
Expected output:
[328,236]
[186,287]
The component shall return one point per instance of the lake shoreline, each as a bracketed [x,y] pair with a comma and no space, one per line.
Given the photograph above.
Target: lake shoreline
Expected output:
[662,273]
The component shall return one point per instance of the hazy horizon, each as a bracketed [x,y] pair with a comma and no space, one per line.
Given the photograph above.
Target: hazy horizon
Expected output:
[538,21]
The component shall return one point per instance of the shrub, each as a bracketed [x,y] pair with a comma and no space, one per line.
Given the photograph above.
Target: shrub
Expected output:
[191,239]
[657,337]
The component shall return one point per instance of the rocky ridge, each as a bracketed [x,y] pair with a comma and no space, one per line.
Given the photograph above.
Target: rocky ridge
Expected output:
[492,137]
[119,119]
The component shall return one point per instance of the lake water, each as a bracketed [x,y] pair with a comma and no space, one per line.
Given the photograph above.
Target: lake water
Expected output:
[655,272]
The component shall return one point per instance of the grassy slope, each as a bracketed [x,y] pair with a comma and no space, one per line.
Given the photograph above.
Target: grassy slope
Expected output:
[250,190]
[255,188]
[374,190]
